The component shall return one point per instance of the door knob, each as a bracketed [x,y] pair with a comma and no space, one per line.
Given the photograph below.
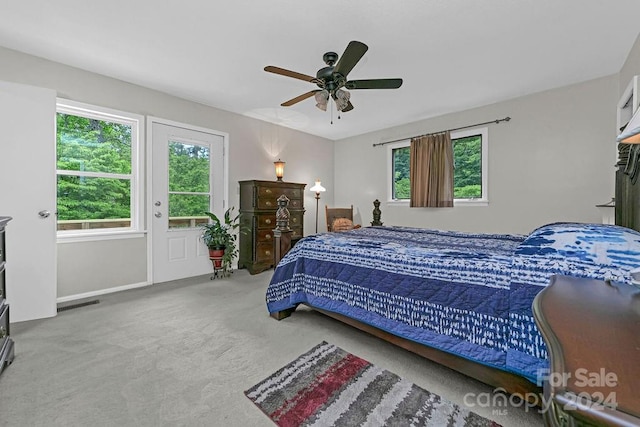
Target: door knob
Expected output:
[158,214]
[44,214]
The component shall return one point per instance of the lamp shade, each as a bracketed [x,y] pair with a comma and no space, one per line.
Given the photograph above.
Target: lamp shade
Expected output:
[279,169]
[321,98]
[631,133]
[342,99]
[318,188]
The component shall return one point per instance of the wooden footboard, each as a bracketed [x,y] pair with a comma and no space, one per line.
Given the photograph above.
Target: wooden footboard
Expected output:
[279,315]
[511,383]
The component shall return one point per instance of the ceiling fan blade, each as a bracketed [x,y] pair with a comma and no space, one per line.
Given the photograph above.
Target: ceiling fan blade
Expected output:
[299,98]
[374,84]
[289,73]
[352,54]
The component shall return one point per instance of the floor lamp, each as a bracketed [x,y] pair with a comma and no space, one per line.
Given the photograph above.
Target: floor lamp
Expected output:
[318,189]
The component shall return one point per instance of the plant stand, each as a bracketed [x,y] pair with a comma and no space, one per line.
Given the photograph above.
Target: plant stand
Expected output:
[215,255]
[217,271]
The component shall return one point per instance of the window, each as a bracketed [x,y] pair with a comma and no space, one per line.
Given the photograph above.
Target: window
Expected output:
[470,149]
[97,170]
[189,178]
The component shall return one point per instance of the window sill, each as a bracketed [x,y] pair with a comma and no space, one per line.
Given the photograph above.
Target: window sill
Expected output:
[470,202]
[97,236]
[456,203]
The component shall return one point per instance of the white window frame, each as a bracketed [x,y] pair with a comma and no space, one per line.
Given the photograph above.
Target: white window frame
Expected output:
[136,121]
[481,201]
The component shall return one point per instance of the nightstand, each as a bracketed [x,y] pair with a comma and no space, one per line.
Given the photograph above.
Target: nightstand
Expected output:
[592,332]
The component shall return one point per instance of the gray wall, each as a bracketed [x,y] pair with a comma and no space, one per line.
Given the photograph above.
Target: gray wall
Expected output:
[79,272]
[554,161]
[631,66]
[254,145]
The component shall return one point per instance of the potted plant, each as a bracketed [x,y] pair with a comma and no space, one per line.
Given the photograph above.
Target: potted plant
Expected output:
[220,237]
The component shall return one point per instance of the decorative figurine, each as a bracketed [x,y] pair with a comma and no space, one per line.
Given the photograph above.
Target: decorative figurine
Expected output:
[376,213]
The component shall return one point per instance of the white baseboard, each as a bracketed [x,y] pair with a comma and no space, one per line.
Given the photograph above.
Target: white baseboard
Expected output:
[102,292]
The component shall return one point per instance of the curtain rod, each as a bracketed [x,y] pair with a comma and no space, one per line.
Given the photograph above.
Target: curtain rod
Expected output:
[506,119]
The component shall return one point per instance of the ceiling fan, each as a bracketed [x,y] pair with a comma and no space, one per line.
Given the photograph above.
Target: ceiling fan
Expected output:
[332,79]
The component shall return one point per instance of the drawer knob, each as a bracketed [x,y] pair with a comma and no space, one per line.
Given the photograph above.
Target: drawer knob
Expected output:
[267,252]
[268,203]
[267,221]
[268,237]
[268,191]
[295,219]
[3,332]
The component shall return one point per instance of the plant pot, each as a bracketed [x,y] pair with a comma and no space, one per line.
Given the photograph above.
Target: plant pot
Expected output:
[215,255]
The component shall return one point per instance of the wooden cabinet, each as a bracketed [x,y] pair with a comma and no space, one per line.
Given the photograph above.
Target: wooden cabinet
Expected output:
[627,190]
[258,207]
[6,343]
[628,103]
[591,331]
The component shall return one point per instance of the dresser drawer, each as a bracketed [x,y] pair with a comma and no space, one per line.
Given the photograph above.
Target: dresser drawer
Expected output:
[293,193]
[267,203]
[268,192]
[295,220]
[2,256]
[296,232]
[266,220]
[277,191]
[4,324]
[295,203]
[272,203]
[264,252]
[264,236]
[3,292]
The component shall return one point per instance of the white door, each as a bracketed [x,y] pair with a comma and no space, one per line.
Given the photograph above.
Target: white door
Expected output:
[28,194]
[188,180]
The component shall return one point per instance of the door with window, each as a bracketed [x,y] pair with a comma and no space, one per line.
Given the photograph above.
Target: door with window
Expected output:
[188,180]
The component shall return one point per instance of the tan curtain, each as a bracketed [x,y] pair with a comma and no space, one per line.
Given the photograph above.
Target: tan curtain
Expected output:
[431,171]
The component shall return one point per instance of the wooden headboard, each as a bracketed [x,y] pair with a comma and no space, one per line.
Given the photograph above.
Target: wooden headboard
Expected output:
[628,186]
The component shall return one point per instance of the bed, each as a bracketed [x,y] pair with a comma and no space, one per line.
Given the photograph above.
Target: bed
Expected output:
[461,299]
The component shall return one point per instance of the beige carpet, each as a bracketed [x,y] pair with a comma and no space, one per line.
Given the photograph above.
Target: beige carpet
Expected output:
[181,354]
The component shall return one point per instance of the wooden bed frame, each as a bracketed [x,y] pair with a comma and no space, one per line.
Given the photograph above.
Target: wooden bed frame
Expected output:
[511,383]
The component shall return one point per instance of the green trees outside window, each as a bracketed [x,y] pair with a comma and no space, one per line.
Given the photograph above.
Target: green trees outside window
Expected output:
[467,176]
[96,175]
[189,183]
[94,168]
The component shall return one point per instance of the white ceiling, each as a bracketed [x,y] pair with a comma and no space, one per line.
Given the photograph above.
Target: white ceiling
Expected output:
[452,54]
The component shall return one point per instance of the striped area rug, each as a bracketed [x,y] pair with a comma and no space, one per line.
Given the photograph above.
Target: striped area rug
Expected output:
[329,387]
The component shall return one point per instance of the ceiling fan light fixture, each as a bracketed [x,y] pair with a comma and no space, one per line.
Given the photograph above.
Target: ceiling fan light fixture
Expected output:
[322,98]
[334,77]
[342,99]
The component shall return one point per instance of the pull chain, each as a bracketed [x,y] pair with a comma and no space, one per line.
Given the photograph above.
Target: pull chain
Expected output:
[331,112]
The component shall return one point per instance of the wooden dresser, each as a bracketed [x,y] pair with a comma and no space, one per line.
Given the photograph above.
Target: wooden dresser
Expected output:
[6,343]
[258,214]
[592,332]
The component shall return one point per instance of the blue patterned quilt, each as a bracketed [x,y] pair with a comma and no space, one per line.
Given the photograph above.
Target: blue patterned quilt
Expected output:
[467,294]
